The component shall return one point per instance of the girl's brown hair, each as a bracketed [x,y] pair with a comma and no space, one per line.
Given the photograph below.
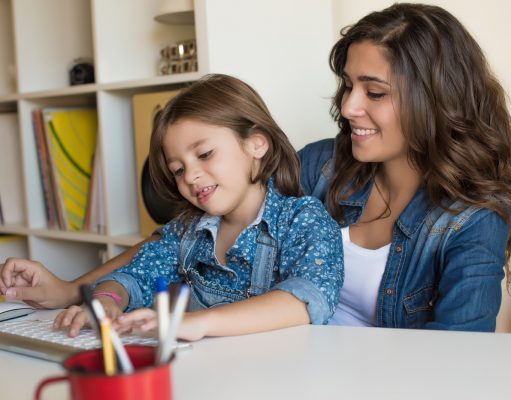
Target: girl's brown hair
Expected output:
[225,101]
[453,110]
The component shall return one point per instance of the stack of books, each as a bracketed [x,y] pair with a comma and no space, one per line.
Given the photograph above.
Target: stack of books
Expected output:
[70,170]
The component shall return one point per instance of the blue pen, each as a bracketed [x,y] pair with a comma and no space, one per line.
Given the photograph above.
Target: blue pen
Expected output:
[161,301]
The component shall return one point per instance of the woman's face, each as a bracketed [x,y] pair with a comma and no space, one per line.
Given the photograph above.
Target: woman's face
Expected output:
[370,105]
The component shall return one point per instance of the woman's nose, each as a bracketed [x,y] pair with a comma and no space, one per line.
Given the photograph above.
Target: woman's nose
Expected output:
[352,105]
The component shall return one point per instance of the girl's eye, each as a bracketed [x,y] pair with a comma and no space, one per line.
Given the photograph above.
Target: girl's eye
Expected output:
[347,88]
[205,155]
[178,172]
[375,96]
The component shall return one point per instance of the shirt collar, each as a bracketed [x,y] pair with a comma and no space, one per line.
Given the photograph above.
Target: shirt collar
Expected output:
[412,216]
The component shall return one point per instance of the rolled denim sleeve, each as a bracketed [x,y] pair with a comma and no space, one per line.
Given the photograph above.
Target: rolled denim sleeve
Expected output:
[470,286]
[154,259]
[130,284]
[312,264]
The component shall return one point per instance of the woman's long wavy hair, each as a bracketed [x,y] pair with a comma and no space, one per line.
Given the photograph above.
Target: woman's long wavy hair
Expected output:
[453,110]
[225,101]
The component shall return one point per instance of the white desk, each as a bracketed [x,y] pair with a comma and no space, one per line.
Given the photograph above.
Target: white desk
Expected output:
[317,363]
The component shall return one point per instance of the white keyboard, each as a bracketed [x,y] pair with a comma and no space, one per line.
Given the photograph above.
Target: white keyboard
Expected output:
[87,339]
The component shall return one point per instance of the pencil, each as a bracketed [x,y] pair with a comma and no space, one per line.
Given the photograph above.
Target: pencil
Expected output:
[108,348]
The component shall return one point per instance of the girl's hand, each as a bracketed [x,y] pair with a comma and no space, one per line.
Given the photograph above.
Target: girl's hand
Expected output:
[76,317]
[143,319]
[193,326]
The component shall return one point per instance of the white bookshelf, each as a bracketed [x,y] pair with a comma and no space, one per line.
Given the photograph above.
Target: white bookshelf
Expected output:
[281,48]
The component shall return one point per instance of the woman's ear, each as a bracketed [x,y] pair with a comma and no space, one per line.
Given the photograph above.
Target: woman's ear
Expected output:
[257,145]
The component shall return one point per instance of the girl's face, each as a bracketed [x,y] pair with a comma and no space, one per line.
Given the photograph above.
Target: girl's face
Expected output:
[370,106]
[212,167]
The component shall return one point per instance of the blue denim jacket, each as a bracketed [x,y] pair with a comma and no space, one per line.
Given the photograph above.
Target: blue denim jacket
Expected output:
[292,245]
[444,271]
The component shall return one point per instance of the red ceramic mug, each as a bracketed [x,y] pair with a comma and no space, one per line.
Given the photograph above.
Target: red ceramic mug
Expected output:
[87,379]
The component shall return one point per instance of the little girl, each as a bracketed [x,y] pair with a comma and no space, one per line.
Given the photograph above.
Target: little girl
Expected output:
[256,256]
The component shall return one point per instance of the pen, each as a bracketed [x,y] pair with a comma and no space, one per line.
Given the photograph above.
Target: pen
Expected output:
[120,351]
[86,293]
[177,316]
[115,341]
[97,312]
[162,311]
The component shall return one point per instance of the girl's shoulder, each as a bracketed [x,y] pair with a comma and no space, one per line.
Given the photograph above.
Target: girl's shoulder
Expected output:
[309,206]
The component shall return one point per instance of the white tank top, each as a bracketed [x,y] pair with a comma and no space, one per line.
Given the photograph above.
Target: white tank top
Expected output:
[363,270]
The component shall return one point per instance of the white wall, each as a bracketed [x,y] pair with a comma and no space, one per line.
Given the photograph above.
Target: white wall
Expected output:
[488,22]
[280,47]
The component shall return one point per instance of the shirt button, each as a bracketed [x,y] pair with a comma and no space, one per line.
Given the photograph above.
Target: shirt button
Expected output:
[275,268]
[342,221]
[399,249]
[389,291]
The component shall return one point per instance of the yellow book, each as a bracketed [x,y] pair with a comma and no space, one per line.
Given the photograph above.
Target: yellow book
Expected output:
[71,136]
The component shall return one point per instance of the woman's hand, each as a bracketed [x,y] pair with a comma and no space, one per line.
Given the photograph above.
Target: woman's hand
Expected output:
[31,282]
[76,317]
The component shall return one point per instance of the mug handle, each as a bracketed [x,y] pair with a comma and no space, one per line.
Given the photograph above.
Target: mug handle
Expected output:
[47,381]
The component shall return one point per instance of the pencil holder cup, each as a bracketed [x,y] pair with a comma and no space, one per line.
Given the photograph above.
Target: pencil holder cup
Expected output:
[87,380]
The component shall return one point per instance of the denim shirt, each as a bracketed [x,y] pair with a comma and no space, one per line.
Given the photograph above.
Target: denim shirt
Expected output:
[443,271]
[306,262]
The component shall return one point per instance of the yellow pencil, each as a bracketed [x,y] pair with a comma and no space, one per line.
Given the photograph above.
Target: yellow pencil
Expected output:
[2,299]
[108,348]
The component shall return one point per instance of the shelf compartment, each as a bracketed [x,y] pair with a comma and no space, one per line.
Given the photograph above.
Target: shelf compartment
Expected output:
[49,36]
[13,246]
[66,258]
[11,191]
[128,39]
[7,55]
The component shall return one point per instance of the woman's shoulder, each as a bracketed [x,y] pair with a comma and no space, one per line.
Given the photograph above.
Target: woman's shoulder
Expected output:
[462,219]
[313,158]
[317,152]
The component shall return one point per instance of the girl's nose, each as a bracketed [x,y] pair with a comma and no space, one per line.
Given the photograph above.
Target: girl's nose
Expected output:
[192,174]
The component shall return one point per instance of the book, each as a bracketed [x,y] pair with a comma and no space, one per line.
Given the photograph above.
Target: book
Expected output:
[10,309]
[45,173]
[71,141]
[95,215]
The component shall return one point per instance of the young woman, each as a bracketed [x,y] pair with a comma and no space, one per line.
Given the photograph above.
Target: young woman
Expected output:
[419,176]
[256,256]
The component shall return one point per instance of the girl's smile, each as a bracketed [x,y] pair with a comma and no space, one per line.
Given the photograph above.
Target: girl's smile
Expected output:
[205,193]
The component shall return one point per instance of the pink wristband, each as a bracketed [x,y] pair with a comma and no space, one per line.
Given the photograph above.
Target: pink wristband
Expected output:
[114,296]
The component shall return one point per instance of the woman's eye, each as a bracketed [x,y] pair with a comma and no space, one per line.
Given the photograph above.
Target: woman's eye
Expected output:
[205,155]
[178,172]
[347,88]
[374,95]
